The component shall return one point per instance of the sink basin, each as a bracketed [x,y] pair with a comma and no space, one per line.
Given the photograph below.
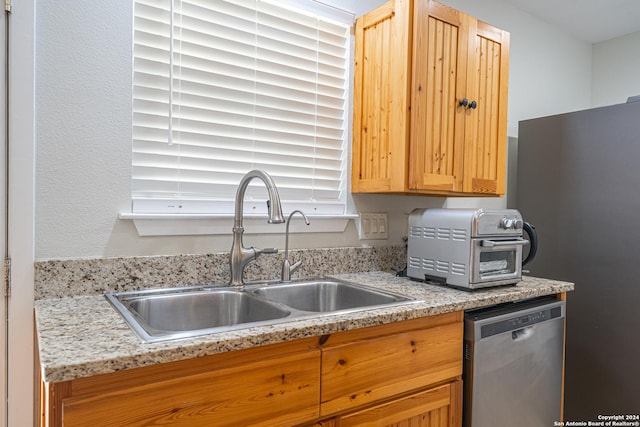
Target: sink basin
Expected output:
[176,313]
[164,314]
[326,296]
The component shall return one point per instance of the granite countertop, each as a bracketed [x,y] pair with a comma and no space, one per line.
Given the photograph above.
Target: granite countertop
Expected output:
[83,335]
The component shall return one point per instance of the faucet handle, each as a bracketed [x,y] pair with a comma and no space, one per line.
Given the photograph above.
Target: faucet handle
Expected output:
[288,268]
[295,266]
[267,251]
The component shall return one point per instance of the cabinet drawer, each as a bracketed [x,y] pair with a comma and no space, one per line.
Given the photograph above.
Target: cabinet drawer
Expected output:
[433,408]
[277,392]
[361,372]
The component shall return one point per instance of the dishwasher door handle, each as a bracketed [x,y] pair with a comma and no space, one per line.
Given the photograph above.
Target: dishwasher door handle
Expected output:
[523,334]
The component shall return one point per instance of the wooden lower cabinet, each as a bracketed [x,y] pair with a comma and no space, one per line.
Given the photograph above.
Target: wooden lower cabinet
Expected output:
[437,407]
[386,375]
[271,386]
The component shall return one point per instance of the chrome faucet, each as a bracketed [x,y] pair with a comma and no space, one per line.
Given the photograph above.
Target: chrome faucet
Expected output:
[287,268]
[241,256]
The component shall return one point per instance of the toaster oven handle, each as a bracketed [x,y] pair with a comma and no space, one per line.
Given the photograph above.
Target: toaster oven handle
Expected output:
[493,243]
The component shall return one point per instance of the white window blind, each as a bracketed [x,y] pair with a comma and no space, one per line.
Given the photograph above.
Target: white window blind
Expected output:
[224,87]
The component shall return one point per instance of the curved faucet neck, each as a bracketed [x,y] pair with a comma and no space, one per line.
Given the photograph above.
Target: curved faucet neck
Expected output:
[274,205]
[286,233]
[287,267]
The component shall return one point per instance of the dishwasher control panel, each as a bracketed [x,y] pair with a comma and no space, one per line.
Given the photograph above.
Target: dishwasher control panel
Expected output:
[519,322]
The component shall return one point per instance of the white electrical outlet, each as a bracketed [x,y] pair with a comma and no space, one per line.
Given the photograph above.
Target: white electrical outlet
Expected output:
[373,226]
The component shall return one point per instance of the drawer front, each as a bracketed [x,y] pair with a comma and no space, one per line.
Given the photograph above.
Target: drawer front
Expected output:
[358,373]
[279,392]
[432,408]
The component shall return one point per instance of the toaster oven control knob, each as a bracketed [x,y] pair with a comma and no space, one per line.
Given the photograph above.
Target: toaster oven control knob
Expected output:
[507,223]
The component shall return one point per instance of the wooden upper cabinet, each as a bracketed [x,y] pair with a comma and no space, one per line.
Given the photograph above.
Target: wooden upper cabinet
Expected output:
[454,141]
[381,101]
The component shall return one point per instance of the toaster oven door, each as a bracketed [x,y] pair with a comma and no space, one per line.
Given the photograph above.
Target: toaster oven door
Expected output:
[496,261]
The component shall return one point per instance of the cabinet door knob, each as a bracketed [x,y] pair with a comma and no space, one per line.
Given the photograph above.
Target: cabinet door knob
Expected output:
[463,102]
[472,105]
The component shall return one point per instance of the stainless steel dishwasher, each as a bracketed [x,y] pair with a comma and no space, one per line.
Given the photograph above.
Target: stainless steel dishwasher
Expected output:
[513,360]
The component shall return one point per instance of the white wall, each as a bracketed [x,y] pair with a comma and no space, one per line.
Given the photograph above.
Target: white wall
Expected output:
[616,70]
[83,102]
[83,80]
[357,7]
[549,73]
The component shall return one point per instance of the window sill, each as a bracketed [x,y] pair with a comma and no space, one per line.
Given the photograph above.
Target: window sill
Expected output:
[202,224]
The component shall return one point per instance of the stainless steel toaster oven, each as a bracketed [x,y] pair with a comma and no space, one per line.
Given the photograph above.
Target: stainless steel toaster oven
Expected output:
[468,248]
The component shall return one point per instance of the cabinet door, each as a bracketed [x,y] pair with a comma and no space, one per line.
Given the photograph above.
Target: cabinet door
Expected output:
[438,407]
[486,125]
[381,99]
[439,84]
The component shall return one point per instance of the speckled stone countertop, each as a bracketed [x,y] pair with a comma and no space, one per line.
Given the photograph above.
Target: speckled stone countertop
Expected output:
[83,335]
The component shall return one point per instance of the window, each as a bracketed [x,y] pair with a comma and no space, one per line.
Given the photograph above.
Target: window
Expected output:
[224,87]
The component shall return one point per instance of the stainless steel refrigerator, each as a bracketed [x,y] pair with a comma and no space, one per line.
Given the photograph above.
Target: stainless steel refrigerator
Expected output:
[578,182]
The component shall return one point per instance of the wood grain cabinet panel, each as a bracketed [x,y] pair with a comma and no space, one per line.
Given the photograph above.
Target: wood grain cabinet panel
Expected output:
[439,81]
[486,126]
[437,407]
[381,101]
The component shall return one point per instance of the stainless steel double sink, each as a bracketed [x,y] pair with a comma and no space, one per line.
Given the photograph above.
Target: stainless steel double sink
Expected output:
[175,313]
